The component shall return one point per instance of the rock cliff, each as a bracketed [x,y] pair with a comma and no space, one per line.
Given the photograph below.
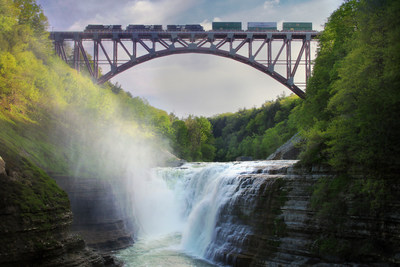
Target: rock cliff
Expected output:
[35,218]
[99,215]
[289,150]
[285,230]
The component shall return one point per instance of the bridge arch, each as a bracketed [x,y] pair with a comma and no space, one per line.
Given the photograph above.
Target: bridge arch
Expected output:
[242,59]
[223,44]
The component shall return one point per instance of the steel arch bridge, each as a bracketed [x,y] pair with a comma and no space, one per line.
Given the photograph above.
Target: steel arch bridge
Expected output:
[123,50]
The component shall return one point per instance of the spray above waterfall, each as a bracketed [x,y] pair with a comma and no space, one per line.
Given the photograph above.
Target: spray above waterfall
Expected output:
[196,206]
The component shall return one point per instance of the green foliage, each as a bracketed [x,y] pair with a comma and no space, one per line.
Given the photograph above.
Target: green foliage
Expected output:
[350,122]
[335,200]
[51,113]
[31,14]
[255,132]
[350,114]
[193,139]
[181,140]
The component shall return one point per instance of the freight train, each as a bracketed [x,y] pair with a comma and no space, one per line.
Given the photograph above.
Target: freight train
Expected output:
[216,26]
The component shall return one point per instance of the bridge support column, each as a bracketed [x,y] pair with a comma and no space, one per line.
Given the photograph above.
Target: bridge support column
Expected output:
[76,56]
[115,53]
[269,53]
[59,49]
[96,59]
[288,57]
[308,57]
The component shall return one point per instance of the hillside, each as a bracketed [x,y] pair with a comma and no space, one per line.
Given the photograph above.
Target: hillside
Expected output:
[55,121]
[256,132]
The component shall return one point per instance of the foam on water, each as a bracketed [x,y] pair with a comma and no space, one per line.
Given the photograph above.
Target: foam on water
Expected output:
[177,210]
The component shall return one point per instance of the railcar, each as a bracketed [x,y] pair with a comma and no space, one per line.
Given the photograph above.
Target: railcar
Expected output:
[175,28]
[95,27]
[135,27]
[226,26]
[141,27]
[115,28]
[194,28]
[156,28]
[102,28]
[297,26]
[261,26]
[187,27]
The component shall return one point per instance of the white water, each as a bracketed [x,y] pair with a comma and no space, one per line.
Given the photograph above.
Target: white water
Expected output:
[177,211]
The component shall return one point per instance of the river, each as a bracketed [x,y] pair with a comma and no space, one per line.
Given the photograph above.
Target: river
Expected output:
[178,211]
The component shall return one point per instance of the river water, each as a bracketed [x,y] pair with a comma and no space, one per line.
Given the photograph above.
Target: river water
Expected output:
[177,209]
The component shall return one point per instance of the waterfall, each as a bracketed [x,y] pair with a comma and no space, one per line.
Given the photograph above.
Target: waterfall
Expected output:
[206,203]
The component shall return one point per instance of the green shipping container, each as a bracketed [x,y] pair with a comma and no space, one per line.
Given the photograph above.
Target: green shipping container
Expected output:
[297,26]
[227,26]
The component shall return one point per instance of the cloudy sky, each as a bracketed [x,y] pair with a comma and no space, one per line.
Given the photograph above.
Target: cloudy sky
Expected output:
[202,85]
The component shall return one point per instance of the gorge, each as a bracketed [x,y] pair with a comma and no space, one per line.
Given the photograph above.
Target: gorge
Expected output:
[80,175]
[237,214]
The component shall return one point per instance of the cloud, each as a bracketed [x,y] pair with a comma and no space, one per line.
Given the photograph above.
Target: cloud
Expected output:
[200,84]
[270,3]
[136,12]
[315,11]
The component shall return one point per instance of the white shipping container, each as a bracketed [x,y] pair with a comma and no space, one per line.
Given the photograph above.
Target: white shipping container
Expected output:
[261,24]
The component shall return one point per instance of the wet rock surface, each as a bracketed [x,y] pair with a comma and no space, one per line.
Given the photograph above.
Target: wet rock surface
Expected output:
[273,224]
[98,217]
[35,221]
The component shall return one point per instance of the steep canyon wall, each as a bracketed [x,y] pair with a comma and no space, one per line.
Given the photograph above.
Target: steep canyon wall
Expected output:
[282,229]
[35,219]
[99,215]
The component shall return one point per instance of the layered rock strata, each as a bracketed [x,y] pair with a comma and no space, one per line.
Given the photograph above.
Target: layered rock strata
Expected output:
[272,224]
[100,216]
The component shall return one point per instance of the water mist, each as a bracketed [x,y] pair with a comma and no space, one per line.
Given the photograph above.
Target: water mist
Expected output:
[110,185]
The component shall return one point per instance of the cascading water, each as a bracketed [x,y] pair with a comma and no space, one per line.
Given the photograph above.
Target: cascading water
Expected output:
[191,213]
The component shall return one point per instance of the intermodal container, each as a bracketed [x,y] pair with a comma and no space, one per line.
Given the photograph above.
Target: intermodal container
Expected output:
[227,26]
[261,26]
[297,26]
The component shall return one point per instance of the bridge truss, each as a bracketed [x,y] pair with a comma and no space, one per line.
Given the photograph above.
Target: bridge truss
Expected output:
[268,52]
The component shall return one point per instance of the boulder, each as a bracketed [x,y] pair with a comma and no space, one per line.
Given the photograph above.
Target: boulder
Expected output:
[288,151]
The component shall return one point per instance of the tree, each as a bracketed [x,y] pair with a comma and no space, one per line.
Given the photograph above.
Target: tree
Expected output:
[181,140]
[31,14]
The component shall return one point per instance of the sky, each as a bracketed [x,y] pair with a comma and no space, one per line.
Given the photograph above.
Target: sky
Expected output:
[201,85]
